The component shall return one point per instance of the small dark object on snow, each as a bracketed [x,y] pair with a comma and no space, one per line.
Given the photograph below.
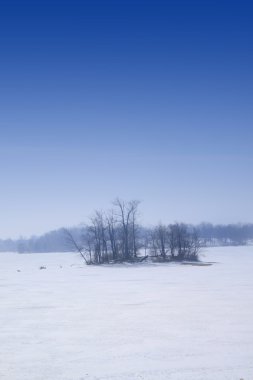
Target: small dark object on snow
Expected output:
[42,267]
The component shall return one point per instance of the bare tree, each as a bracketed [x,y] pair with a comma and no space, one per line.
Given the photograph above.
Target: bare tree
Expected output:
[161,240]
[126,213]
[98,229]
[173,239]
[112,233]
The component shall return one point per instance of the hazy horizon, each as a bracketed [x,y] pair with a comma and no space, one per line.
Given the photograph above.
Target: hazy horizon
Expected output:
[138,100]
[151,224]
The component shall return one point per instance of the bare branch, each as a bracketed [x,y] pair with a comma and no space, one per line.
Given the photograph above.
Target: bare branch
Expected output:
[72,241]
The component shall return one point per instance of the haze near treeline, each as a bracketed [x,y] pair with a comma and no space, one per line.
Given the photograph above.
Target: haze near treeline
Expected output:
[141,100]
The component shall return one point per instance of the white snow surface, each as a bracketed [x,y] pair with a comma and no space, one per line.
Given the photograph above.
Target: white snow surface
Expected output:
[126,322]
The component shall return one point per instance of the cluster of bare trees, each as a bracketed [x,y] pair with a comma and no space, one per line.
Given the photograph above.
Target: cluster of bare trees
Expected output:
[116,236]
[111,236]
[175,242]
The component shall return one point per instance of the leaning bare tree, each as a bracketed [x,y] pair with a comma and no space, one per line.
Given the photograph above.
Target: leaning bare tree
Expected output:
[73,243]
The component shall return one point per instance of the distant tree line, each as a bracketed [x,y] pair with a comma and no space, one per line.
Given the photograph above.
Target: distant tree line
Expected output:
[230,234]
[53,241]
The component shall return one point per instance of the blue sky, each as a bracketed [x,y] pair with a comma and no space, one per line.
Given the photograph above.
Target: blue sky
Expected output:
[148,100]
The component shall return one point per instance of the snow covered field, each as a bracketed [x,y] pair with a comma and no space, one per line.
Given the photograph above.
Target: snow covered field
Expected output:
[146,322]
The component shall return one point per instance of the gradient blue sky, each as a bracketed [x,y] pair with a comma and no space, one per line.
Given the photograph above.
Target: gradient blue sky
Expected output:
[148,100]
